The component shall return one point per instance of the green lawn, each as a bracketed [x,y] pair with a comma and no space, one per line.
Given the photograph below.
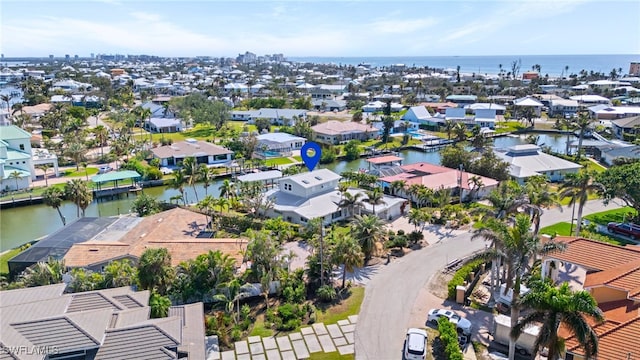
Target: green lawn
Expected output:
[592,166]
[74,173]
[278,161]
[561,228]
[330,356]
[508,126]
[350,306]
[297,157]
[26,194]
[4,259]
[259,329]
[615,215]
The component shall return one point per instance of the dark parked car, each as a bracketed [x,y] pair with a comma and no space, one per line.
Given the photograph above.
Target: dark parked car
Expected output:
[631,230]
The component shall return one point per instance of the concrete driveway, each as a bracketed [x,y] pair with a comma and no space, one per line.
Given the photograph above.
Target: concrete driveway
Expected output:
[398,296]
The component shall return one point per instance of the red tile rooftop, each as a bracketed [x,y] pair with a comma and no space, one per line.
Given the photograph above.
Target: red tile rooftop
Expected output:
[384,159]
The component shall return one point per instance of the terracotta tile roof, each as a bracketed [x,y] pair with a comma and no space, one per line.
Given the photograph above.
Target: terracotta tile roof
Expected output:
[626,277]
[176,230]
[620,342]
[425,168]
[383,159]
[595,255]
[435,177]
[187,148]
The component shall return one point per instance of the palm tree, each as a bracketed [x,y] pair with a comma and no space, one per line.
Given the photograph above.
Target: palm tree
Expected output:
[190,166]
[583,123]
[460,130]
[448,128]
[178,182]
[369,230]
[15,175]
[554,306]
[519,246]
[206,175]
[222,203]
[375,197]
[155,271]
[76,151]
[44,273]
[539,196]
[79,193]
[53,196]
[120,273]
[417,217]
[159,305]
[102,134]
[45,168]
[578,186]
[228,189]
[397,186]
[347,252]
[7,99]
[350,202]
[475,182]
[206,205]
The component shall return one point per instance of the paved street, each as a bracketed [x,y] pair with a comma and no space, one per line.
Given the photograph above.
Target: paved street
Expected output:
[398,297]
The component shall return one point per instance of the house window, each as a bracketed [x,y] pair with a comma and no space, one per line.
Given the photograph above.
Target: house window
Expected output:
[303,219]
[21,146]
[336,214]
[287,187]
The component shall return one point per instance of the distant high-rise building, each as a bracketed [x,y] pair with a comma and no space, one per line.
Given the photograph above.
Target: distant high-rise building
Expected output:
[93,56]
[634,69]
[50,57]
[75,57]
[67,57]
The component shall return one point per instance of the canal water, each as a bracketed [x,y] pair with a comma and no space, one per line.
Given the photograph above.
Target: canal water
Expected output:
[23,224]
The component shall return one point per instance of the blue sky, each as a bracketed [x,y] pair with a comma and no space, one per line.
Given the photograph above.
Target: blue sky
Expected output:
[319,28]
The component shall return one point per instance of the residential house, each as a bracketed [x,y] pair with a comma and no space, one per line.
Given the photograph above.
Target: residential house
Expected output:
[528,160]
[609,155]
[204,152]
[328,105]
[528,102]
[335,132]
[306,196]
[43,322]
[627,125]
[563,107]
[16,164]
[70,86]
[182,232]
[605,112]
[279,144]
[588,100]
[164,125]
[462,100]
[611,274]
[327,91]
[434,177]
[418,114]
[275,116]
[473,108]
[485,118]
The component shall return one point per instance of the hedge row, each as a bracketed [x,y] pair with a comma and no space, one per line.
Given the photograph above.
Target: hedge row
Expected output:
[462,275]
[449,339]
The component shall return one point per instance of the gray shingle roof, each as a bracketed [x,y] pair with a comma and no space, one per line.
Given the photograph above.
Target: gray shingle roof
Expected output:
[90,301]
[141,342]
[128,301]
[22,296]
[60,333]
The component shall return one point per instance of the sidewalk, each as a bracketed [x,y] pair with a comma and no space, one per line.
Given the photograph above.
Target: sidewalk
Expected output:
[299,345]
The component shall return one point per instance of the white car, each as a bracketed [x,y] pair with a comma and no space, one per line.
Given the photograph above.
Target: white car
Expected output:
[415,345]
[166,170]
[463,325]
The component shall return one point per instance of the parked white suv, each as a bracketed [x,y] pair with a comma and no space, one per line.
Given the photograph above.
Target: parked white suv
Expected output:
[415,345]
[463,325]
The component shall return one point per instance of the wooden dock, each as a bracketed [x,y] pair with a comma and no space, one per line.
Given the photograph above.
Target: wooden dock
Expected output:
[115,191]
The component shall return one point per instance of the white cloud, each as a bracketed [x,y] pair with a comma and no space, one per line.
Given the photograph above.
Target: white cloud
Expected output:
[401,26]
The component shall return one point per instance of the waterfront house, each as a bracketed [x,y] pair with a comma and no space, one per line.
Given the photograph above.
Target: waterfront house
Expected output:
[627,125]
[610,154]
[528,160]
[44,322]
[530,103]
[605,112]
[182,232]
[611,274]
[335,132]
[434,177]
[16,159]
[473,108]
[563,107]
[279,144]
[303,197]
[204,152]
[418,114]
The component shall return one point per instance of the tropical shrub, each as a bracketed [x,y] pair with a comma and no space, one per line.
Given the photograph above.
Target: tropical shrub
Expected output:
[326,293]
[462,275]
[449,339]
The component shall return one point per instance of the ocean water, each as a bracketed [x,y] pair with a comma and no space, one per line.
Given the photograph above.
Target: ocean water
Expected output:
[553,65]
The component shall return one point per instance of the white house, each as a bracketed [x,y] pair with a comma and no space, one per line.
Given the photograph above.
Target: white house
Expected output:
[418,114]
[485,118]
[563,107]
[528,160]
[282,143]
[334,132]
[303,197]
[204,152]
[164,125]
[16,166]
[275,116]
